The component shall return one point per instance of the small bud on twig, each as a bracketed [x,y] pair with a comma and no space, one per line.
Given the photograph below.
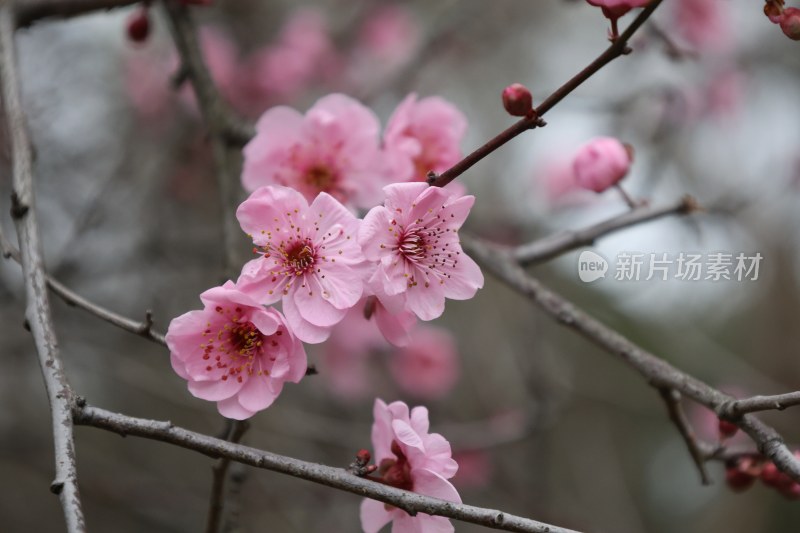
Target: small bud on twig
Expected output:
[517,100]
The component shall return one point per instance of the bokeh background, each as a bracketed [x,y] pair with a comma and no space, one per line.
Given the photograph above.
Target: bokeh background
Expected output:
[543,424]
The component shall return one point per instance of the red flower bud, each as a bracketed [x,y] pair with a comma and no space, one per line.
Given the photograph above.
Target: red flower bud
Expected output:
[517,100]
[139,25]
[727,429]
[771,476]
[790,23]
[363,456]
[738,480]
[773,11]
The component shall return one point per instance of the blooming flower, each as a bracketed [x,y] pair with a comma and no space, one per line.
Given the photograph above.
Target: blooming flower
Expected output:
[428,366]
[414,239]
[423,135]
[332,149]
[409,458]
[309,258]
[601,163]
[235,352]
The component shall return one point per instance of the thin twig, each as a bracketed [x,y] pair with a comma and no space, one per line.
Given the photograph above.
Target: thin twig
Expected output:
[655,370]
[31,11]
[216,506]
[38,313]
[618,48]
[217,118]
[337,478]
[761,403]
[554,245]
[672,399]
[143,329]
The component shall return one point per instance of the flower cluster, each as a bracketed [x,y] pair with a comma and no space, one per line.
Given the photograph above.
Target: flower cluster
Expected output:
[321,262]
[336,147]
[743,471]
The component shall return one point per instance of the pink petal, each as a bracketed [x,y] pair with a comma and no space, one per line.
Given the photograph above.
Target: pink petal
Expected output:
[266,204]
[231,408]
[374,233]
[257,394]
[432,484]
[303,330]
[395,328]
[328,211]
[214,390]
[405,434]
[426,302]
[256,280]
[402,195]
[313,307]
[465,279]
[374,516]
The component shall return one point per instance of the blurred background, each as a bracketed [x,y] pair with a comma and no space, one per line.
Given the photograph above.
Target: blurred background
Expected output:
[542,423]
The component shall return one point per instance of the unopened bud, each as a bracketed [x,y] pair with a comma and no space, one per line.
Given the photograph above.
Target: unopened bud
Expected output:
[139,26]
[363,456]
[738,480]
[773,11]
[517,100]
[790,23]
[727,429]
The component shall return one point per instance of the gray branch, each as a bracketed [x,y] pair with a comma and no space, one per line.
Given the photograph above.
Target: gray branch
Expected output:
[554,245]
[143,329]
[37,312]
[656,371]
[761,403]
[329,476]
[32,11]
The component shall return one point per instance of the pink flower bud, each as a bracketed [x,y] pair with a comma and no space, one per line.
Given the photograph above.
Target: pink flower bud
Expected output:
[790,23]
[139,26]
[727,429]
[613,9]
[601,163]
[517,100]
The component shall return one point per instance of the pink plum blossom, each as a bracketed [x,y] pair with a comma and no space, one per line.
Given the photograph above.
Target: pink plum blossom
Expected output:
[414,240]
[389,34]
[704,24]
[601,163]
[301,53]
[235,352]
[332,149]
[412,459]
[428,366]
[310,259]
[613,9]
[423,135]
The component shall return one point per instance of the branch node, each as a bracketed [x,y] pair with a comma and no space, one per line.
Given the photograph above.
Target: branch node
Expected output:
[18,208]
[432,177]
[56,487]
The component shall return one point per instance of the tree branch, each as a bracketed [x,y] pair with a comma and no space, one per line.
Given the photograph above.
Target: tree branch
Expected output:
[223,133]
[337,478]
[32,11]
[618,48]
[234,434]
[554,245]
[672,399]
[143,329]
[656,371]
[761,403]
[37,312]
